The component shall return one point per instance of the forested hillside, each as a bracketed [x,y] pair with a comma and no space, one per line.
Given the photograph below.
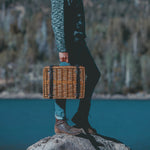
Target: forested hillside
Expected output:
[118,36]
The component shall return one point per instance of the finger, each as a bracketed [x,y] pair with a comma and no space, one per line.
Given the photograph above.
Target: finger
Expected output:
[67,60]
[61,59]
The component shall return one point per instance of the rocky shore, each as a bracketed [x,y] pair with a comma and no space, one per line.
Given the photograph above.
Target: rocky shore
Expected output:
[21,95]
[80,142]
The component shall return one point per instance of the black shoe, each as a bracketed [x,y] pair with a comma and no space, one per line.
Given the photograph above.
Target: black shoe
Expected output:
[82,123]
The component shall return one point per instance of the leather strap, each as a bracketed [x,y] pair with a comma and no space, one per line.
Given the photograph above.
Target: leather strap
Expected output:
[51,81]
[78,81]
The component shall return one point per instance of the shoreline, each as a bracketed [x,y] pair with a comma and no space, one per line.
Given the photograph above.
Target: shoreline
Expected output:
[21,95]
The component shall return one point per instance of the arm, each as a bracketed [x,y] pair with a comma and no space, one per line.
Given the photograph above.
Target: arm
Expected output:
[57,17]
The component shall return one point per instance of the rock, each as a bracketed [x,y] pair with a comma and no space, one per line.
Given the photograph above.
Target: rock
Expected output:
[80,142]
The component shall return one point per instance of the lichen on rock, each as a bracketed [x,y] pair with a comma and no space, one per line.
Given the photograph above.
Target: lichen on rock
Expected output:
[80,142]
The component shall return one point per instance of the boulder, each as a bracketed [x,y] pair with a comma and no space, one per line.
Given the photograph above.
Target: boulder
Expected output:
[80,142]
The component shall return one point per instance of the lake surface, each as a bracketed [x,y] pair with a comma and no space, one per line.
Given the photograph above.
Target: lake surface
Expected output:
[24,122]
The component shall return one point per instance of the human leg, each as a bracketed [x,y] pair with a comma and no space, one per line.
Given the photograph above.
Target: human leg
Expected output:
[61,125]
[82,56]
[60,108]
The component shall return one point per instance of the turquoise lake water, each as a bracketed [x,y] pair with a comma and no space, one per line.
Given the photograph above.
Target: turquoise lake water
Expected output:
[24,122]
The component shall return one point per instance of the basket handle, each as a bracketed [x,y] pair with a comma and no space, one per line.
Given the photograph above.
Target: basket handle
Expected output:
[64,64]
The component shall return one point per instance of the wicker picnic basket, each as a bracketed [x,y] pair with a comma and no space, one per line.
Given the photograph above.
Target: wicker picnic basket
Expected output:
[64,82]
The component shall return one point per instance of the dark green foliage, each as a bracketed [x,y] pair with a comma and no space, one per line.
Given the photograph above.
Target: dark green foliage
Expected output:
[118,36]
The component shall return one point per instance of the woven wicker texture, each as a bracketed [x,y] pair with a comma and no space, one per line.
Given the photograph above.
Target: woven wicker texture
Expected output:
[62,82]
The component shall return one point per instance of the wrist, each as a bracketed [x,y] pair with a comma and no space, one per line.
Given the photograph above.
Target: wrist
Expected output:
[63,52]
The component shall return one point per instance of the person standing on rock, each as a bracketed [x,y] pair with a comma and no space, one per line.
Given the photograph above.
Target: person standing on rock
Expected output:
[68,24]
